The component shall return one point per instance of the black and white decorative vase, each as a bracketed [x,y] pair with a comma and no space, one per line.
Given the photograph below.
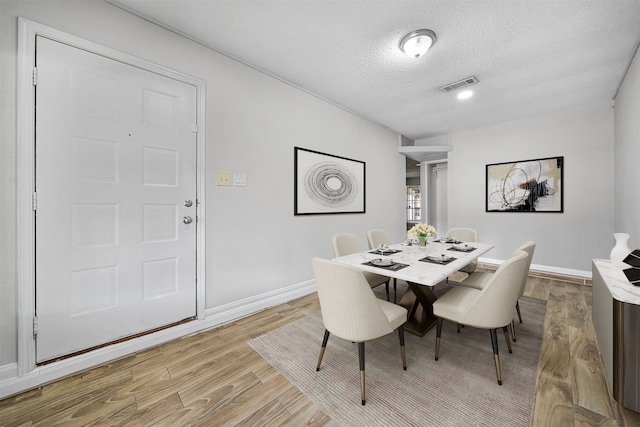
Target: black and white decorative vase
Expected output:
[620,250]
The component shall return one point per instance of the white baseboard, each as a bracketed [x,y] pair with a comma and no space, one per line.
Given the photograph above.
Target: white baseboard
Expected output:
[544,268]
[8,371]
[11,384]
[238,309]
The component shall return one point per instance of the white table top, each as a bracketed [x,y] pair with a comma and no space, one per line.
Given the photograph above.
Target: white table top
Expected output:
[617,282]
[423,273]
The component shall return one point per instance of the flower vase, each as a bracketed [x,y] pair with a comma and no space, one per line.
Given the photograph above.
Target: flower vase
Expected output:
[422,240]
[620,250]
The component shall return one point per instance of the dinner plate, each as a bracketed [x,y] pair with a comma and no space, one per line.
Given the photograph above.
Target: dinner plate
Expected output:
[463,247]
[439,258]
[379,262]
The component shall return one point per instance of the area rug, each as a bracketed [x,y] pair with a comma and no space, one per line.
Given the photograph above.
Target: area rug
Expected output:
[460,389]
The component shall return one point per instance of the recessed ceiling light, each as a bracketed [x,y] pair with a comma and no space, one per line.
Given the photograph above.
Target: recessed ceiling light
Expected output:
[465,94]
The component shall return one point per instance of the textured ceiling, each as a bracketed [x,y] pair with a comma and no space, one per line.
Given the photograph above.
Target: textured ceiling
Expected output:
[531,56]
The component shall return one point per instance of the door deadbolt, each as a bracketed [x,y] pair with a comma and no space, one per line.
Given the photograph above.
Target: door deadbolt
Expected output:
[187,220]
[188,203]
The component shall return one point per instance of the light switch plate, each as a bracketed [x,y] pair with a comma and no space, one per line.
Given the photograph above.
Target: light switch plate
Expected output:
[240,179]
[224,179]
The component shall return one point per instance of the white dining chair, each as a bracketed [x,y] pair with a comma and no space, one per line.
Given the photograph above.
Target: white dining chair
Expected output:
[480,279]
[351,311]
[488,308]
[464,234]
[349,243]
[375,238]
[378,237]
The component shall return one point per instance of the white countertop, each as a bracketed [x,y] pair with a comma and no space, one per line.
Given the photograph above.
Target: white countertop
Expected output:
[617,282]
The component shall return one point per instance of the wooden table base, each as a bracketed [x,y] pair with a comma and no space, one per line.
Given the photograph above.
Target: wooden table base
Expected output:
[418,300]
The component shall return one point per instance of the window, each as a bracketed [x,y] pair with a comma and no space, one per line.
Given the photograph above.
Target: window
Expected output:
[413,204]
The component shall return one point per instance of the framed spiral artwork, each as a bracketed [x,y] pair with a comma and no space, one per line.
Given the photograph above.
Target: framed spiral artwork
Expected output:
[327,184]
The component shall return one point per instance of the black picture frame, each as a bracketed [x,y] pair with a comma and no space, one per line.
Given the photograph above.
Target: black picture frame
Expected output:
[327,184]
[535,185]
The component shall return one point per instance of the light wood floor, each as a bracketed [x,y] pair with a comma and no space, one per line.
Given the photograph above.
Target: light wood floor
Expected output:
[214,378]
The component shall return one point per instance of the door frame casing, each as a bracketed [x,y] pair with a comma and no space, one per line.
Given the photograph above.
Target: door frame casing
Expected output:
[26,344]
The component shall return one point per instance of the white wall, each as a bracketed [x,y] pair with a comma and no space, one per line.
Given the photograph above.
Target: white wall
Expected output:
[257,221]
[567,241]
[627,156]
[253,121]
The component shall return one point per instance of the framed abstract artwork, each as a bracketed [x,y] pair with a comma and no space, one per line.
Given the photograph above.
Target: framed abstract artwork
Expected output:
[327,184]
[525,186]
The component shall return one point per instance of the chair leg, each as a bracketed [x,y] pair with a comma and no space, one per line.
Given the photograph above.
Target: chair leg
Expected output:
[438,334]
[361,358]
[386,287]
[506,337]
[402,352]
[324,346]
[395,290]
[496,357]
[458,327]
[518,310]
[513,330]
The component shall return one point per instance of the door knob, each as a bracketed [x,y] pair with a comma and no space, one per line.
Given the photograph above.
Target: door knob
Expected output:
[187,220]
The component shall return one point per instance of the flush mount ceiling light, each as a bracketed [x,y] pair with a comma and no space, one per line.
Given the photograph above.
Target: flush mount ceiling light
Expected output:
[417,42]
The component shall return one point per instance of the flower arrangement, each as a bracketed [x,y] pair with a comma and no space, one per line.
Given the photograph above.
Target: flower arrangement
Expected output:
[423,230]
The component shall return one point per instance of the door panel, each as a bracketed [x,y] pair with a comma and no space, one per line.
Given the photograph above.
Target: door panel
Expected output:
[115,160]
[441,200]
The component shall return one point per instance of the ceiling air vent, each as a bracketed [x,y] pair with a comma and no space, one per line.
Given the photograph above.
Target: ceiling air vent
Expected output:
[461,83]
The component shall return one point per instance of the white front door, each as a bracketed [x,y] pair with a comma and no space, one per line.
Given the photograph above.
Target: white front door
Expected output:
[115,192]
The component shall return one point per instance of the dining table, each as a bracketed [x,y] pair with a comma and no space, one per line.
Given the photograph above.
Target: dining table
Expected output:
[422,267]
